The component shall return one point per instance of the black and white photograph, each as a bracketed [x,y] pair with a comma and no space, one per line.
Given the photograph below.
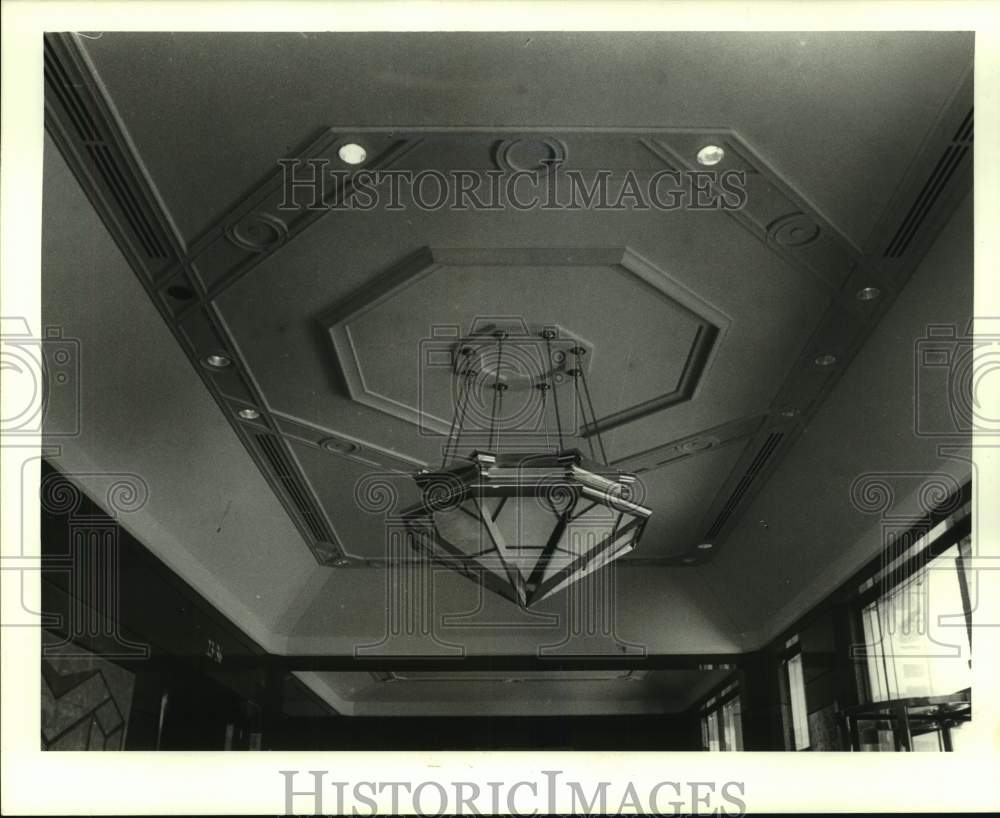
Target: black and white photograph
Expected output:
[583,420]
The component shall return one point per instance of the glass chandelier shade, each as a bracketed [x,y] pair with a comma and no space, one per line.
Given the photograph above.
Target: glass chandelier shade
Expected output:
[525,524]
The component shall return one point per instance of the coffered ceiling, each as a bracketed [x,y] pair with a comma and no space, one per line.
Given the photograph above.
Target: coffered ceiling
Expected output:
[705,329]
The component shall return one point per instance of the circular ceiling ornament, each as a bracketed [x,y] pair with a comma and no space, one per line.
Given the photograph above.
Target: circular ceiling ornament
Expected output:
[258,232]
[536,154]
[698,444]
[338,446]
[793,230]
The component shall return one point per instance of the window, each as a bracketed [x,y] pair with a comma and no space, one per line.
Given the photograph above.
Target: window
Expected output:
[793,686]
[797,702]
[722,721]
[915,619]
[732,725]
[916,636]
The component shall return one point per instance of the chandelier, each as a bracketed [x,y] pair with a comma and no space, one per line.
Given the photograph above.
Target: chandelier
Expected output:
[529,519]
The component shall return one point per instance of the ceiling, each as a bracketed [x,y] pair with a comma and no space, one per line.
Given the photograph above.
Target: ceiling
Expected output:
[702,327]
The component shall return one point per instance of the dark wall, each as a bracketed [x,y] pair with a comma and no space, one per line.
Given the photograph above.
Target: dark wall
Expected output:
[829,682]
[760,703]
[198,681]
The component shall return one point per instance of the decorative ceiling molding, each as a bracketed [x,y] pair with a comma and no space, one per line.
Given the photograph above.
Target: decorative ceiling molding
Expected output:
[521,153]
[364,453]
[263,222]
[774,213]
[710,325]
[690,446]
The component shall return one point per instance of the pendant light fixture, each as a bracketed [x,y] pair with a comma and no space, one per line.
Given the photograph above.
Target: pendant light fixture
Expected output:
[525,524]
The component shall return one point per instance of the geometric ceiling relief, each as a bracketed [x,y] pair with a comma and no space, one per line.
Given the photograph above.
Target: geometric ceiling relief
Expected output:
[328,337]
[396,358]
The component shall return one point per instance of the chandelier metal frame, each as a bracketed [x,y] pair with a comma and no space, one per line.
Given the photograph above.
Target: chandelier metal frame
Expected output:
[523,524]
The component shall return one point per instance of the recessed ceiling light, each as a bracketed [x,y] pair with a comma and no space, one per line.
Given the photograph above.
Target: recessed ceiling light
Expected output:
[868,293]
[826,360]
[249,414]
[352,153]
[710,155]
[217,361]
[705,546]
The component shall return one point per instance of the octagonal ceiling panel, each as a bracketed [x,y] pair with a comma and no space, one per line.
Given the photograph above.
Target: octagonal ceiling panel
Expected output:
[397,344]
[280,313]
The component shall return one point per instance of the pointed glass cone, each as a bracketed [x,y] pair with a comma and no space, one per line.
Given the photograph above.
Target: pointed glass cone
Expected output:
[525,525]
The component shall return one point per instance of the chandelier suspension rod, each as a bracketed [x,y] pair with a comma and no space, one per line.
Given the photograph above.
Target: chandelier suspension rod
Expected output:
[579,352]
[544,387]
[463,405]
[548,335]
[497,396]
[577,374]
